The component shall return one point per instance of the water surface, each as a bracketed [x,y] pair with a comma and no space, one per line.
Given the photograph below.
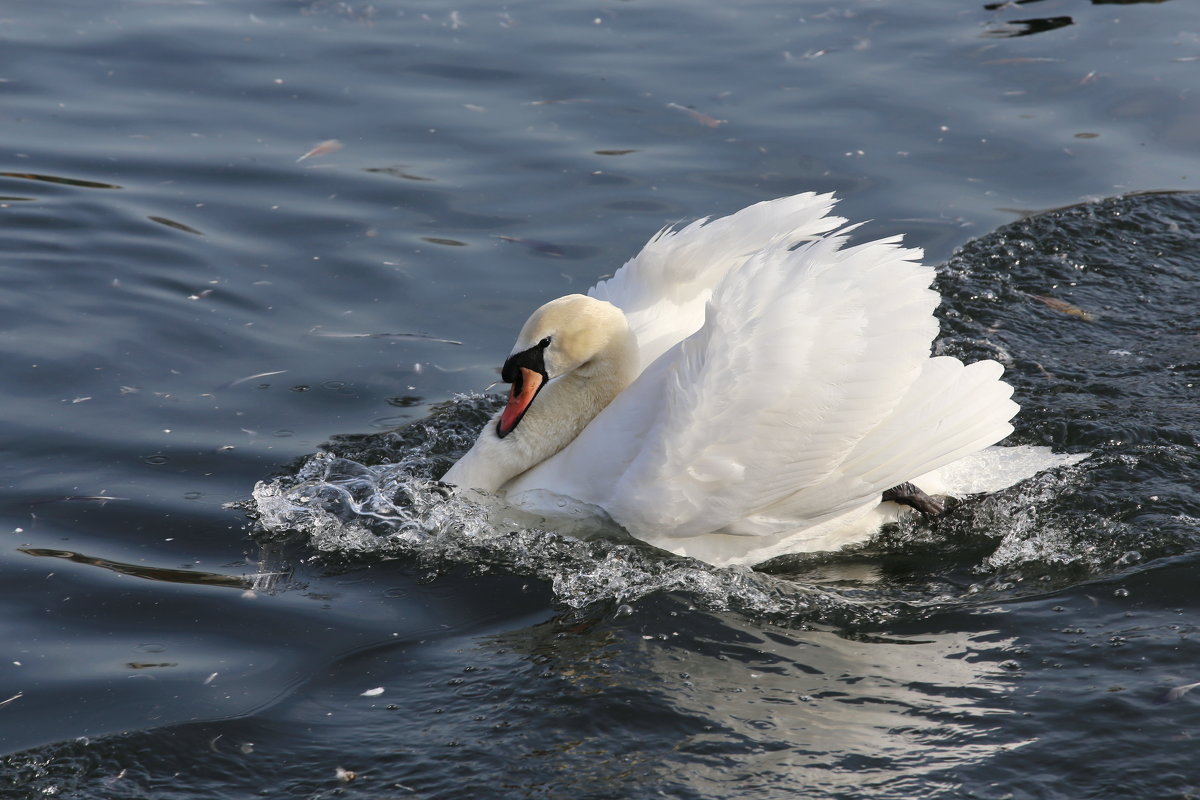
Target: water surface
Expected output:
[193,307]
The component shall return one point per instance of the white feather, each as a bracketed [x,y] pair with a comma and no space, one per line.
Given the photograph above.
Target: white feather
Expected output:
[663,289]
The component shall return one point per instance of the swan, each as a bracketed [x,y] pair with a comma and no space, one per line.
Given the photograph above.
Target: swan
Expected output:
[747,387]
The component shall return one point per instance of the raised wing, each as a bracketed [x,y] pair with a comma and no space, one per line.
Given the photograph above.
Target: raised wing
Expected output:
[663,289]
[802,354]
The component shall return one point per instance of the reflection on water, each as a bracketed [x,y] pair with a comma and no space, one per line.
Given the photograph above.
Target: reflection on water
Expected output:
[833,714]
[657,698]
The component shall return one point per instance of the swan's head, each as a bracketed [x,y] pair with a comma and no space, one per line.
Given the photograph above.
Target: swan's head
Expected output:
[566,335]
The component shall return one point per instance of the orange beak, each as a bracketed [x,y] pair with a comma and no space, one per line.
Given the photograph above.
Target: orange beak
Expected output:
[520,396]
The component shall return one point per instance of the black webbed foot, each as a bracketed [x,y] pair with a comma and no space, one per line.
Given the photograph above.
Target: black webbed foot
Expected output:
[907,494]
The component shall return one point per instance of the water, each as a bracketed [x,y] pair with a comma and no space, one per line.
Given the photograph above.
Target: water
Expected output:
[190,312]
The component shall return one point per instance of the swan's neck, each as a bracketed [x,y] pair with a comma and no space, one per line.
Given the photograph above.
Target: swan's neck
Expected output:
[561,410]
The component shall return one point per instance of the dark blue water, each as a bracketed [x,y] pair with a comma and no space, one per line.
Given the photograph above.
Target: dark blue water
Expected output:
[191,309]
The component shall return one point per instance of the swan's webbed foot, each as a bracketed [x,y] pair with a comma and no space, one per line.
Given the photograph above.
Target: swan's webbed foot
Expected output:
[907,494]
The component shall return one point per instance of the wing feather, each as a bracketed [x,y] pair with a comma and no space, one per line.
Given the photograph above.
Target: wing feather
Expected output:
[663,289]
[802,353]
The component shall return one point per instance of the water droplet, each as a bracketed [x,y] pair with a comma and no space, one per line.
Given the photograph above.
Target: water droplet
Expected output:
[155,460]
[1122,592]
[623,610]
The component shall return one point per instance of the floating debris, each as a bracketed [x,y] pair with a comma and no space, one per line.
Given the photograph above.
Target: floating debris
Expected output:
[323,149]
[1064,307]
[807,55]
[252,377]
[150,665]
[78,498]
[562,102]
[345,775]
[1177,692]
[703,119]
[165,574]
[397,172]
[1024,60]
[179,226]
[1026,27]
[34,176]
[403,337]
[533,244]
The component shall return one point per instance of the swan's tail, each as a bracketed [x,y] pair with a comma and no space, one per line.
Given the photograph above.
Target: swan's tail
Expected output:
[950,411]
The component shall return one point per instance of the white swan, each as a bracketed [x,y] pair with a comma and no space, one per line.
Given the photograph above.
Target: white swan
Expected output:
[746,387]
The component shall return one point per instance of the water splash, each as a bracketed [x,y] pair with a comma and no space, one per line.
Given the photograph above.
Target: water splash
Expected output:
[348,508]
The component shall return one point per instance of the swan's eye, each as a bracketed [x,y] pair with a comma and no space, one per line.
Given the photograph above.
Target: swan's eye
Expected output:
[544,343]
